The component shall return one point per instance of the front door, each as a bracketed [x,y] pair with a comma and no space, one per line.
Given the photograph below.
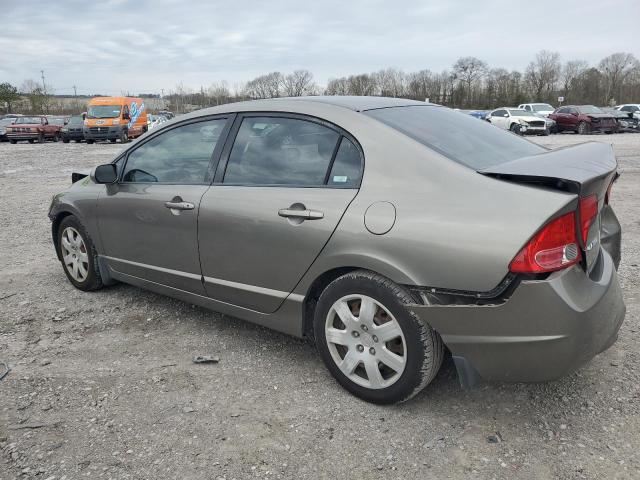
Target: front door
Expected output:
[148,220]
[287,183]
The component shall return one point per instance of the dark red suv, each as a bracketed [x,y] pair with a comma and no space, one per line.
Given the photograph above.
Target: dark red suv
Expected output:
[583,119]
[33,129]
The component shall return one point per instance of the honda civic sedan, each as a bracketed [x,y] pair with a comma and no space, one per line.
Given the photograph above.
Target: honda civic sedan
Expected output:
[389,231]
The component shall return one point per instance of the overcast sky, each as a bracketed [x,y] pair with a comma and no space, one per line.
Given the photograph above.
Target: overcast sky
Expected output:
[109,46]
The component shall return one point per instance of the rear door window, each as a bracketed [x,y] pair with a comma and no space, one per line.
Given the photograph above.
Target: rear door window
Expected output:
[347,166]
[280,151]
[455,135]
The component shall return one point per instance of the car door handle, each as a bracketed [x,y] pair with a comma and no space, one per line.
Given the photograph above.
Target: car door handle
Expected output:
[179,205]
[304,214]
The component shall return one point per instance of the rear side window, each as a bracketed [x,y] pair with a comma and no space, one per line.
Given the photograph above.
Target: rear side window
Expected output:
[280,151]
[347,166]
[455,135]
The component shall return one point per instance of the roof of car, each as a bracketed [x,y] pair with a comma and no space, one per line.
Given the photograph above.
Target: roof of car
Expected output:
[357,103]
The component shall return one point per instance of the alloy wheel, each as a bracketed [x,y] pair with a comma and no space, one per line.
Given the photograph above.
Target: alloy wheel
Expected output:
[365,341]
[74,254]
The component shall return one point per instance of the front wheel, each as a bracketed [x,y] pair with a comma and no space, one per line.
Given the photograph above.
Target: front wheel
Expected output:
[90,141]
[65,140]
[372,344]
[78,255]
[13,142]
[583,128]
[515,128]
[124,137]
[41,138]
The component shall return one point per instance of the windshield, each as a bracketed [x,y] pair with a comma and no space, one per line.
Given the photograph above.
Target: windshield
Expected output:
[37,120]
[519,113]
[56,121]
[589,109]
[457,136]
[6,121]
[75,120]
[103,111]
[542,107]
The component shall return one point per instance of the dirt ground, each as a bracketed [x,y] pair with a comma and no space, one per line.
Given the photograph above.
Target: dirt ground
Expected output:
[102,385]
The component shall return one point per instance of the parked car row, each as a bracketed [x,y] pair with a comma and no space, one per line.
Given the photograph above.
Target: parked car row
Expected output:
[107,118]
[543,119]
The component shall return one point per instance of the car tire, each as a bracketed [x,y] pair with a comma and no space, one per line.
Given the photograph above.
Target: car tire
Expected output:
[124,137]
[112,140]
[379,370]
[78,255]
[583,128]
[90,142]
[13,142]
[78,141]
[65,140]
[41,138]
[31,140]
[515,128]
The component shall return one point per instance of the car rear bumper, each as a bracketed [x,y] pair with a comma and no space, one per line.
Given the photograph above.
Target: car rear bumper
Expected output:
[546,329]
[103,133]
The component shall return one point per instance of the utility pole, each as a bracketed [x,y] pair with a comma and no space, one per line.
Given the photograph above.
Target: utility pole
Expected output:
[44,92]
[75,97]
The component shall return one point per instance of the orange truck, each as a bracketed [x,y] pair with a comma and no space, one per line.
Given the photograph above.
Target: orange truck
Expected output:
[115,118]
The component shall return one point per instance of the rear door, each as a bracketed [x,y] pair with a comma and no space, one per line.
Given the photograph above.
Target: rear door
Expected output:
[283,184]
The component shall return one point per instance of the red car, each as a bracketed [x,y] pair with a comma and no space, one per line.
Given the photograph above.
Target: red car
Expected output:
[583,119]
[33,128]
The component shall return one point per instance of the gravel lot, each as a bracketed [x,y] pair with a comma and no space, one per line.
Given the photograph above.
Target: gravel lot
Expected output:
[102,384]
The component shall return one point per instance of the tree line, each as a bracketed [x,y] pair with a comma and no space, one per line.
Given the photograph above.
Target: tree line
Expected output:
[469,83]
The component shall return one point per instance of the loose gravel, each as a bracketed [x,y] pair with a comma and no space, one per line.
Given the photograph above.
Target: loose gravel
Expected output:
[103,384]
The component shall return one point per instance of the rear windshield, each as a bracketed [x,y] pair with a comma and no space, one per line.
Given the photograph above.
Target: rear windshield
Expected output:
[460,137]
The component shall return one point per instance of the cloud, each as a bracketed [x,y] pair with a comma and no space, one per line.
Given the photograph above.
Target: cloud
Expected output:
[143,46]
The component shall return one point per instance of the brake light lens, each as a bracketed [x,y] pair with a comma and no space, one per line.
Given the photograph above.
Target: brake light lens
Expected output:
[588,213]
[554,247]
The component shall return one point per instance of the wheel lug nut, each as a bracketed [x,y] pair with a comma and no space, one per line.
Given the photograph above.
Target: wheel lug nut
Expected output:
[364,327]
[375,339]
[355,333]
[372,351]
[360,348]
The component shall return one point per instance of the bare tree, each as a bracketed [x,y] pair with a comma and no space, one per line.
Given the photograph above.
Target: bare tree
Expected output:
[390,82]
[615,69]
[543,74]
[337,86]
[571,72]
[264,86]
[298,83]
[363,84]
[219,92]
[37,95]
[468,71]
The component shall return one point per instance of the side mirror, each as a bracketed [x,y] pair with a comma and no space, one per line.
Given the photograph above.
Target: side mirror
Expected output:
[105,174]
[126,116]
[505,115]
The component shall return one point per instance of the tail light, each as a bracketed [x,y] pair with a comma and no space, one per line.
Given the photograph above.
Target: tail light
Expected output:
[554,247]
[588,213]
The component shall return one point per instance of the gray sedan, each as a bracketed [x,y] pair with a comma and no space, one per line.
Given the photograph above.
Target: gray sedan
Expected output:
[388,230]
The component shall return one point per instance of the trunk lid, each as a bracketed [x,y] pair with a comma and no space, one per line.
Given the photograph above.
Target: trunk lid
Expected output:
[586,169]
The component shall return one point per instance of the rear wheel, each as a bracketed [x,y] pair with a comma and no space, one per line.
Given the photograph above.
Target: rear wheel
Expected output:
[583,128]
[56,137]
[371,342]
[79,258]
